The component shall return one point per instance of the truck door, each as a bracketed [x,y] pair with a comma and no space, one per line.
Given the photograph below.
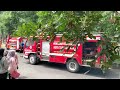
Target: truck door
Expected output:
[45,50]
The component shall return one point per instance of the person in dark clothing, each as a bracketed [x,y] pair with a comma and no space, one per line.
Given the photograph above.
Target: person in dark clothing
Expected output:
[22,44]
[3,65]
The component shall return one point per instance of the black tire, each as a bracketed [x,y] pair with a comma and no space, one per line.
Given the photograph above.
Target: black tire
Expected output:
[32,59]
[73,69]
[38,60]
[17,50]
[21,51]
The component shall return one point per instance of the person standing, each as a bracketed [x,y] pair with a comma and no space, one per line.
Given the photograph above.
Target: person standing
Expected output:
[22,45]
[13,63]
[3,65]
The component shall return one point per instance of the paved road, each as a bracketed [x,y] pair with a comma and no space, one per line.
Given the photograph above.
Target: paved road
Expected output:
[46,70]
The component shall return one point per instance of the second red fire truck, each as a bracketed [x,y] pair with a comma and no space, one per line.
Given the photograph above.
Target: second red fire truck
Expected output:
[15,43]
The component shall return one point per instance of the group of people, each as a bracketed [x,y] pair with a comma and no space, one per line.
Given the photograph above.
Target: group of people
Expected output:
[8,63]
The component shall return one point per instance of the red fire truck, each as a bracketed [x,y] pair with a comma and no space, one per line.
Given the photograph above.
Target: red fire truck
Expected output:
[44,50]
[15,43]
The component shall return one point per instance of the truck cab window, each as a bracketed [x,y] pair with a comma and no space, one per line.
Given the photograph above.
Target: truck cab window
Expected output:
[29,42]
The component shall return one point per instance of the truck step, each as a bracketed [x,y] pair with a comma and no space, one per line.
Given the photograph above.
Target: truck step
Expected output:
[86,65]
[88,60]
[44,59]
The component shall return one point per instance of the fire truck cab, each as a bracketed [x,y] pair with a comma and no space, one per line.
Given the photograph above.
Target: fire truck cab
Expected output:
[44,50]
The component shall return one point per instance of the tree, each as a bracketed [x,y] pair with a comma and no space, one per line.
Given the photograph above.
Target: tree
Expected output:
[20,17]
[75,25]
[26,30]
[12,20]
[110,25]
[4,16]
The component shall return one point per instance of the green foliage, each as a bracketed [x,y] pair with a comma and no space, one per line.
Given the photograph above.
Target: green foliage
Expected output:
[74,24]
[26,30]
[4,16]
[110,51]
[10,21]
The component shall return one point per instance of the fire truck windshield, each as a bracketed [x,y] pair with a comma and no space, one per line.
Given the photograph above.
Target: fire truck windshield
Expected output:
[29,43]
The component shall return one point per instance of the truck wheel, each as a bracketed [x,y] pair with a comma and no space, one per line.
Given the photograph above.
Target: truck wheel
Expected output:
[38,60]
[72,66]
[17,50]
[33,59]
[21,51]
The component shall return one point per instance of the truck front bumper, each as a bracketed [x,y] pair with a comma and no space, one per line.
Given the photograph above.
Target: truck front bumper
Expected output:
[26,57]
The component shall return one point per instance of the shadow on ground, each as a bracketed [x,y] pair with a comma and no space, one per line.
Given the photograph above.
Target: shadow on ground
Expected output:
[110,74]
[113,74]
